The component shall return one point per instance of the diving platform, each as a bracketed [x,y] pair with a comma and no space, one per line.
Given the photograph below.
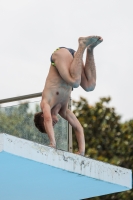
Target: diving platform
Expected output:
[29,170]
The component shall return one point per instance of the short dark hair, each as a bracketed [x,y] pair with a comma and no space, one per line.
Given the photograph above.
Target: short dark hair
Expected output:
[39,122]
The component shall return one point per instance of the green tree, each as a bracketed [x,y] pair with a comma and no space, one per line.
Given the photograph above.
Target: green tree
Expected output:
[18,121]
[107,138]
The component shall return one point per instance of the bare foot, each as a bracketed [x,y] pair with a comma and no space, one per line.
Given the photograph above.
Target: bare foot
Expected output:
[85,41]
[93,45]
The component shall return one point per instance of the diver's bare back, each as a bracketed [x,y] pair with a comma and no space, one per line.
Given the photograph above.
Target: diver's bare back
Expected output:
[56,90]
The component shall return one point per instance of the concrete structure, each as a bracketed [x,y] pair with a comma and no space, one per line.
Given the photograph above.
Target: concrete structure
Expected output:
[31,171]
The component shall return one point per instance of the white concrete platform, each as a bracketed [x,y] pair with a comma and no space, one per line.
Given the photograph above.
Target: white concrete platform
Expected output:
[33,171]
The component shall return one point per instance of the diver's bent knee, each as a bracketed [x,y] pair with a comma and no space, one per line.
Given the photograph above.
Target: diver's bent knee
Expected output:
[76,84]
[90,88]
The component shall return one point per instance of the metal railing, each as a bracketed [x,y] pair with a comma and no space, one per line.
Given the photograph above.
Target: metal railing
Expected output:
[35,95]
[29,96]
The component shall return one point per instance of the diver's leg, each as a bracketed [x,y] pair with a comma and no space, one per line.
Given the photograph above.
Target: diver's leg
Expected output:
[88,77]
[70,68]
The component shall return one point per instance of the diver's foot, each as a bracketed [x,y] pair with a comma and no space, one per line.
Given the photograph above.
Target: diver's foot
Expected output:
[93,45]
[85,41]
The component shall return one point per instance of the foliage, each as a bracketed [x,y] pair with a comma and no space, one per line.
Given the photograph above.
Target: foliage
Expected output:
[18,121]
[107,138]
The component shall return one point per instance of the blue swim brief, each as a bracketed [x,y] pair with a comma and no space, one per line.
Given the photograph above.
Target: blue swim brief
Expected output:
[70,50]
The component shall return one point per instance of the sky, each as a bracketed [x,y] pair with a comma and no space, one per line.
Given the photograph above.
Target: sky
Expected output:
[30,30]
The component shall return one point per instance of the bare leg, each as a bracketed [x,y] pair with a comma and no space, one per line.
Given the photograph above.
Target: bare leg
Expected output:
[70,68]
[76,65]
[89,69]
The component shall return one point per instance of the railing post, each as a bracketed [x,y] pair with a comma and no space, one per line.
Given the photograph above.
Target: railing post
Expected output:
[70,146]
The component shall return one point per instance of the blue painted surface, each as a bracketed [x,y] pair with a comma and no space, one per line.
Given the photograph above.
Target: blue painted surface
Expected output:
[23,179]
